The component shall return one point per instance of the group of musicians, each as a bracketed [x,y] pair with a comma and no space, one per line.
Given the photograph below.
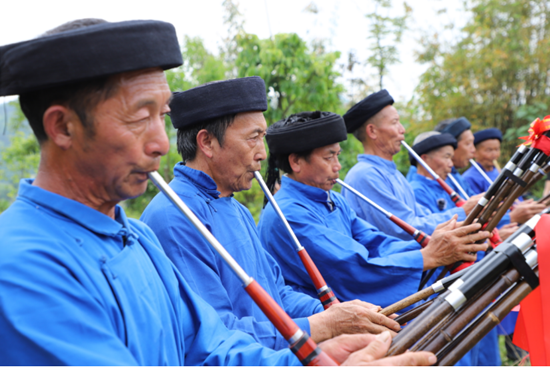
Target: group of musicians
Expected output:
[80,283]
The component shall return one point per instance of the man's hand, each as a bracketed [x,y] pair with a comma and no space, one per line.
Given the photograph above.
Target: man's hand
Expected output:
[450,244]
[365,350]
[470,204]
[525,210]
[353,317]
[507,230]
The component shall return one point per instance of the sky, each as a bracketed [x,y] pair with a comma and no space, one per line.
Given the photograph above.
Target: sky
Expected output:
[342,24]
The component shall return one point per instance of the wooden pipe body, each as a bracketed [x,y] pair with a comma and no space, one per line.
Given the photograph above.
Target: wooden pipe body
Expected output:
[453,194]
[508,202]
[439,309]
[411,314]
[488,321]
[324,292]
[469,312]
[406,302]
[301,344]
[419,236]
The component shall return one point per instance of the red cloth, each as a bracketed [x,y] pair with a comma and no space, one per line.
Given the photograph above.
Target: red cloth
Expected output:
[532,331]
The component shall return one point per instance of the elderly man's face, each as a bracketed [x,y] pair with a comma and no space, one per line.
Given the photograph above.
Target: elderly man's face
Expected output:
[243,149]
[440,160]
[129,137]
[465,149]
[486,152]
[388,131]
[321,167]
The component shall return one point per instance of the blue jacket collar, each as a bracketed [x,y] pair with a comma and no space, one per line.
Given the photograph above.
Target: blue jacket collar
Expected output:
[198,178]
[85,216]
[312,193]
[377,161]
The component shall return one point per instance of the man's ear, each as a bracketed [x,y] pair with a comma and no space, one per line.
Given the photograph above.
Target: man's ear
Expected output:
[295,162]
[371,132]
[59,125]
[206,143]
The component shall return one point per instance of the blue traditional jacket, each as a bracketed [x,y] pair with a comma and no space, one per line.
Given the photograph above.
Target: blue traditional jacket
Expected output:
[205,271]
[79,288]
[356,259]
[380,181]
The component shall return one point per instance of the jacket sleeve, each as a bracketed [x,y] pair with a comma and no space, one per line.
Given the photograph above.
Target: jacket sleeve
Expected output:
[380,192]
[348,265]
[48,317]
[202,269]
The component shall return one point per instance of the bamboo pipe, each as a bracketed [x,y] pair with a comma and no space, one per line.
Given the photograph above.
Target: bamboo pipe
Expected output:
[419,236]
[510,167]
[301,344]
[437,287]
[489,320]
[504,282]
[411,314]
[454,196]
[324,292]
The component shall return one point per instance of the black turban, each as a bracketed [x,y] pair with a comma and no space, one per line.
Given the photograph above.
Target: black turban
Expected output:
[431,143]
[492,133]
[85,53]
[305,131]
[364,110]
[457,127]
[217,99]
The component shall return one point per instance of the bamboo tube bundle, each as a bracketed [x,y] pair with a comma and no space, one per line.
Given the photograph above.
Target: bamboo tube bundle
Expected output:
[525,168]
[445,324]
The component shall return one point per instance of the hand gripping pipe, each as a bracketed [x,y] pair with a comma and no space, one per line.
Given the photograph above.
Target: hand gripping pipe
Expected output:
[419,236]
[454,196]
[324,292]
[300,343]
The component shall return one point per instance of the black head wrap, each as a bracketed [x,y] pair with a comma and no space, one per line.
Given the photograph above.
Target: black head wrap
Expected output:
[85,53]
[301,132]
[431,143]
[213,100]
[457,127]
[364,110]
[492,133]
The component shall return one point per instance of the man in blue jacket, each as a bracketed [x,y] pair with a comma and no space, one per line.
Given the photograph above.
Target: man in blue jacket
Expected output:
[220,137]
[80,283]
[356,259]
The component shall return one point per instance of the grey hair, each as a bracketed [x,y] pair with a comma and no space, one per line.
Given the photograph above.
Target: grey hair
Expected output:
[187,137]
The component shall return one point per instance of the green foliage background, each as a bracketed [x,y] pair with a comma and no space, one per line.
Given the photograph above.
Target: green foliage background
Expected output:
[495,73]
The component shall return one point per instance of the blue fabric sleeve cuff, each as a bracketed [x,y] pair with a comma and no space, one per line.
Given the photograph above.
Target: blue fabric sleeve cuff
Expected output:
[461,213]
[303,323]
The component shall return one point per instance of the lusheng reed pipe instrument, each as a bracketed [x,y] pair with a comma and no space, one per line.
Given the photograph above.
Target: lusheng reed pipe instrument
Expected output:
[419,236]
[508,169]
[464,289]
[488,320]
[324,292]
[301,344]
[437,287]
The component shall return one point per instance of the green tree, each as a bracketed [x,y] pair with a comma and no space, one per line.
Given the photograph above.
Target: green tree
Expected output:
[385,32]
[298,78]
[495,73]
[19,158]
